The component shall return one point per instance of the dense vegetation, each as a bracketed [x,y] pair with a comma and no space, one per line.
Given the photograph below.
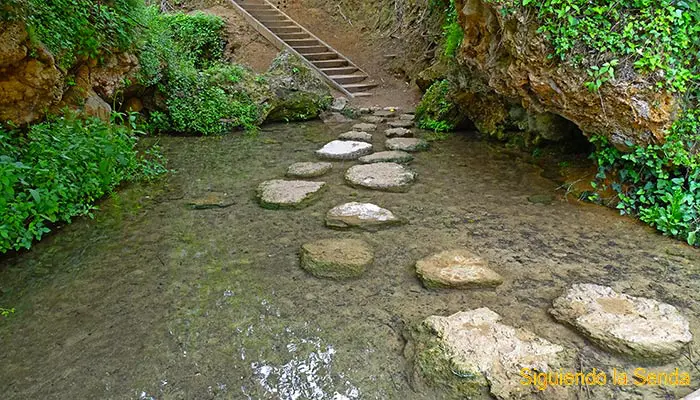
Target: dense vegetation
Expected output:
[57,169]
[661,40]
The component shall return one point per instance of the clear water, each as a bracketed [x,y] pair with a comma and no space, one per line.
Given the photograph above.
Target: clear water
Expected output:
[154,300]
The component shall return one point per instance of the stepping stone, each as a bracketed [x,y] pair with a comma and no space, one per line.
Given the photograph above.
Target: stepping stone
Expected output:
[457,269]
[398,132]
[407,117]
[373,119]
[360,215]
[365,110]
[211,200]
[308,169]
[278,193]
[389,177]
[336,258]
[400,157]
[400,124]
[364,127]
[471,353]
[357,136]
[637,327]
[339,104]
[406,144]
[344,150]
[541,199]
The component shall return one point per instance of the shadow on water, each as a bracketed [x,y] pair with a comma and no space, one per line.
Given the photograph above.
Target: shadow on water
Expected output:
[152,299]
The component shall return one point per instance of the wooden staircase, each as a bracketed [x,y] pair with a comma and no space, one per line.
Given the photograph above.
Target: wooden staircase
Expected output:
[285,33]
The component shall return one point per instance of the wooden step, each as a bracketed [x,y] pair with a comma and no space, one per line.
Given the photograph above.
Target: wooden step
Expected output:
[311,49]
[257,7]
[362,94]
[279,24]
[359,87]
[288,29]
[296,35]
[329,63]
[339,70]
[303,42]
[262,14]
[322,56]
[345,79]
[274,20]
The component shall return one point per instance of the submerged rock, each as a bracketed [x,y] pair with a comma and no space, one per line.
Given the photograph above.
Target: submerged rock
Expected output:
[471,354]
[390,177]
[360,215]
[344,150]
[458,269]
[308,169]
[406,144]
[633,326]
[398,132]
[355,135]
[288,194]
[336,258]
[364,127]
[299,92]
[211,200]
[387,156]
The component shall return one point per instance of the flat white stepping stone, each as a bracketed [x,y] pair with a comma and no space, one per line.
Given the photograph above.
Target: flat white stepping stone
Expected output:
[633,326]
[364,127]
[459,269]
[360,215]
[406,144]
[288,194]
[394,156]
[389,177]
[398,132]
[372,119]
[308,169]
[472,352]
[400,124]
[357,136]
[344,150]
[336,258]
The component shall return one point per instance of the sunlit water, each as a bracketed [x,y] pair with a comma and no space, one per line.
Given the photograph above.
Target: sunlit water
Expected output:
[154,300]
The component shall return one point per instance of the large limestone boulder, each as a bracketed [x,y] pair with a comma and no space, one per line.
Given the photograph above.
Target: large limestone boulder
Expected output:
[366,216]
[288,194]
[344,150]
[336,258]
[389,177]
[637,327]
[459,269]
[299,93]
[471,354]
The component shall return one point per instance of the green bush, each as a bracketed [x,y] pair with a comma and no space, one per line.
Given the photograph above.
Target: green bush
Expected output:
[71,29]
[57,170]
[436,111]
[452,32]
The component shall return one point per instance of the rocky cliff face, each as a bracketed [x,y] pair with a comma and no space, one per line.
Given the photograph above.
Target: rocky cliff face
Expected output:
[503,51]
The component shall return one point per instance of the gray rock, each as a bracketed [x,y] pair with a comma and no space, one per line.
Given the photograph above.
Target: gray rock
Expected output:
[637,327]
[344,150]
[389,177]
[339,104]
[336,258]
[471,353]
[541,199]
[372,119]
[357,136]
[211,200]
[365,110]
[400,124]
[364,127]
[406,144]
[329,117]
[288,194]
[458,269]
[360,215]
[308,169]
[384,113]
[398,132]
[407,117]
[400,157]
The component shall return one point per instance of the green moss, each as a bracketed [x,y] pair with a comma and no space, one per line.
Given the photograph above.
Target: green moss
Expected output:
[437,110]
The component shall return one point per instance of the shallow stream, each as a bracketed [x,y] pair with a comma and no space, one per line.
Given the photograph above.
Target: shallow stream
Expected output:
[153,299]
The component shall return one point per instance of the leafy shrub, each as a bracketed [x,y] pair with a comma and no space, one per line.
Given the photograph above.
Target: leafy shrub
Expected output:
[658,183]
[57,171]
[436,111]
[452,32]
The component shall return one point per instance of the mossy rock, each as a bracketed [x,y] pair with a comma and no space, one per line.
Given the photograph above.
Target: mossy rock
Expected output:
[438,109]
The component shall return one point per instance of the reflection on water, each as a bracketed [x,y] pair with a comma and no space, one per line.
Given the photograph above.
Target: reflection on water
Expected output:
[155,300]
